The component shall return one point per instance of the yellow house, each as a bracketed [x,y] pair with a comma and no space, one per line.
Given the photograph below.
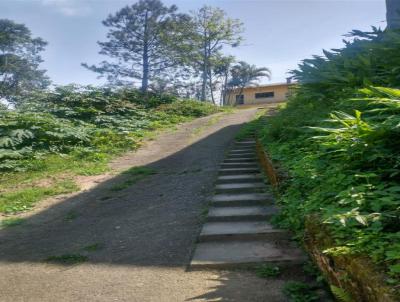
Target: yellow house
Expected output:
[258,95]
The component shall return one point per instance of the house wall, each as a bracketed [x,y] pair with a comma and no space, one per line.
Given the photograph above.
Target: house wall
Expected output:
[280,95]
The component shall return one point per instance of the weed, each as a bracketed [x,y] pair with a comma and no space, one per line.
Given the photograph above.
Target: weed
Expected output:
[10,222]
[340,294]
[204,211]
[213,120]
[71,215]
[134,175]
[94,247]
[299,292]
[253,126]
[24,199]
[266,270]
[67,259]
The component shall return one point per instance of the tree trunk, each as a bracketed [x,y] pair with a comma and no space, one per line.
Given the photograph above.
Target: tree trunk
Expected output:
[224,89]
[205,70]
[393,14]
[145,58]
[211,85]
[204,84]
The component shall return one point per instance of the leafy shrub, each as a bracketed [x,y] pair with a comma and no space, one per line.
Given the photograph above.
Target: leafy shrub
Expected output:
[86,122]
[339,140]
[299,292]
[189,108]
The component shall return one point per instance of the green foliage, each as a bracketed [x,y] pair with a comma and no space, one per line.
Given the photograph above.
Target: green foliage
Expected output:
[252,128]
[244,74]
[86,122]
[133,176]
[266,271]
[10,222]
[339,140]
[299,292]
[24,199]
[71,215]
[140,42]
[188,108]
[19,61]
[209,31]
[93,247]
[77,130]
[340,294]
[67,259]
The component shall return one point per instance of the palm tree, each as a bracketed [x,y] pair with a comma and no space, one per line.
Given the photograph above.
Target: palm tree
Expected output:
[393,14]
[243,75]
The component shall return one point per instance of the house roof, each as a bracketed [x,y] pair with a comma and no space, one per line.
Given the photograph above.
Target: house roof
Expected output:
[272,85]
[265,86]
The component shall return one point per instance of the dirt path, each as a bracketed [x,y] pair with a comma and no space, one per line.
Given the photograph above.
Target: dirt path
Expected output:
[138,241]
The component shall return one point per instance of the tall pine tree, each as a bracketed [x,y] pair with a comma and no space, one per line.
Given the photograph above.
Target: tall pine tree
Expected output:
[19,61]
[139,43]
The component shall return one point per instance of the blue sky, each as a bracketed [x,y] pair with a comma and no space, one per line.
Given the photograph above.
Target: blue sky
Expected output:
[278,35]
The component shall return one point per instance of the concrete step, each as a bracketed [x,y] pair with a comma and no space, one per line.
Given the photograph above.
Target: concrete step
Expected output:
[240,178]
[246,142]
[241,230]
[242,150]
[241,187]
[234,200]
[242,159]
[255,213]
[235,171]
[234,254]
[243,147]
[239,155]
[239,165]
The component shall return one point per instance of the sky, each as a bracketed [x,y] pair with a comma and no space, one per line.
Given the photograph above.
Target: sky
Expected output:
[278,33]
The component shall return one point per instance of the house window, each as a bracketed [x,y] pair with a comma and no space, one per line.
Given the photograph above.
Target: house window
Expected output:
[262,95]
[239,99]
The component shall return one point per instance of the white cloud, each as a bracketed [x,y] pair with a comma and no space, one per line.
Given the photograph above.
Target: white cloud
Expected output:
[70,8]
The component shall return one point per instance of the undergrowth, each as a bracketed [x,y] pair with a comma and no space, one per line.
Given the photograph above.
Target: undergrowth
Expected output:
[339,140]
[73,130]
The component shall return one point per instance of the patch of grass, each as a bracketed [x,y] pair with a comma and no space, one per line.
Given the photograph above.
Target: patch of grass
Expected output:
[67,259]
[299,292]
[253,126]
[71,215]
[93,247]
[213,120]
[134,171]
[312,270]
[133,174]
[267,271]
[24,199]
[204,212]
[10,222]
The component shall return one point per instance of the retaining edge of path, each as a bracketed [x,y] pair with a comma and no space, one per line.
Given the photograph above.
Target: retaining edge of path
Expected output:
[355,275]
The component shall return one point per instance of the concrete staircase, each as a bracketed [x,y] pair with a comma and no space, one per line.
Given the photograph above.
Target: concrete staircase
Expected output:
[237,232]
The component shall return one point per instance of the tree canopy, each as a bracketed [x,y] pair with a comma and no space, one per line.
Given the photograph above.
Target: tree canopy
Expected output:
[138,42]
[19,61]
[244,74]
[212,30]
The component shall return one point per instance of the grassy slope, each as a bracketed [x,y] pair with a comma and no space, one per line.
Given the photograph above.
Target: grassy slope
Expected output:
[54,174]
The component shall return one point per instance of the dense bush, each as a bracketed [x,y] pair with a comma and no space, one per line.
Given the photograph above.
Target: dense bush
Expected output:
[85,121]
[339,140]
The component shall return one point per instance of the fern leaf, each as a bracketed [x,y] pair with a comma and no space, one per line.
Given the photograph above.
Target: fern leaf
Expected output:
[340,294]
